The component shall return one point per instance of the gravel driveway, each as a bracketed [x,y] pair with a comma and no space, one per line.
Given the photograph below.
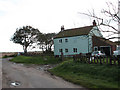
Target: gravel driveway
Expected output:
[30,77]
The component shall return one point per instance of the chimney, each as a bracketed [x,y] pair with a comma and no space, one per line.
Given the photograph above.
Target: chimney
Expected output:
[62,28]
[94,23]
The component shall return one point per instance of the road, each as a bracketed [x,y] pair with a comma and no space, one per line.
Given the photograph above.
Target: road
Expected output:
[0,73]
[30,77]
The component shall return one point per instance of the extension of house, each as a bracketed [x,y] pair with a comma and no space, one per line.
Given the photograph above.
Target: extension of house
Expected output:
[81,40]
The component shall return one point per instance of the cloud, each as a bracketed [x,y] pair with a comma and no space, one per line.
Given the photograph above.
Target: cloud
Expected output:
[2,13]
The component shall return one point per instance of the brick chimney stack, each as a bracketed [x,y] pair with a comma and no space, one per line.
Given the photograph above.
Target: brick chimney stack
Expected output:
[62,28]
[94,23]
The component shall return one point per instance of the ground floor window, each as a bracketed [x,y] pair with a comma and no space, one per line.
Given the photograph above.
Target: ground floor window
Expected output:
[66,50]
[74,49]
[60,50]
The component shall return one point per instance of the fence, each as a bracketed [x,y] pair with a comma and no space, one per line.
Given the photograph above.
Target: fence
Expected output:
[112,60]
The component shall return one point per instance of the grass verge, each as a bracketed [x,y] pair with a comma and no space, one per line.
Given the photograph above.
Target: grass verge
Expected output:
[88,75]
[36,60]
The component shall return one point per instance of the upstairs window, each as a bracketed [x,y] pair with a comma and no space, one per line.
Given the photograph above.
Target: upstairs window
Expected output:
[60,41]
[66,50]
[66,40]
[75,50]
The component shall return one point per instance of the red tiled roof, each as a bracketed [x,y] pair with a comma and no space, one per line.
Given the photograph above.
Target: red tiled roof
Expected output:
[102,41]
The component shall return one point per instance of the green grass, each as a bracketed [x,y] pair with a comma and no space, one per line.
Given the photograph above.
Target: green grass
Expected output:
[88,75]
[36,60]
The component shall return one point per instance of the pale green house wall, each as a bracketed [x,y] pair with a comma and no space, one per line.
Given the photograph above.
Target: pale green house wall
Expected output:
[95,31]
[79,42]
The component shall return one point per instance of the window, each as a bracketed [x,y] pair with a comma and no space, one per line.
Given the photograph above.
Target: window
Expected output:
[66,50]
[95,48]
[60,41]
[60,50]
[74,49]
[66,40]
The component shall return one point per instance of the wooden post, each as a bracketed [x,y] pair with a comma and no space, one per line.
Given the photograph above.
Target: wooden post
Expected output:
[100,60]
[94,60]
[114,59]
[110,60]
[97,59]
[82,59]
[118,60]
[80,56]
[74,59]
[106,60]
[89,59]
[62,56]
[103,59]
[85,59]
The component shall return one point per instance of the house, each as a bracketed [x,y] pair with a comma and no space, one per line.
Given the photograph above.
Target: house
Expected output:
[81,40]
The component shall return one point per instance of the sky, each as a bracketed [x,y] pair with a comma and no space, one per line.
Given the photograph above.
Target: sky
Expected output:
[46,15]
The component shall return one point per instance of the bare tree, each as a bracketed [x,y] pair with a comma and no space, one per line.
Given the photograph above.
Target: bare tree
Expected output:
[110,17]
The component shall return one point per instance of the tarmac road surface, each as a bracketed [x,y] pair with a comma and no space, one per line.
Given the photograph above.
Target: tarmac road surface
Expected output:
[0,73]
[30,77]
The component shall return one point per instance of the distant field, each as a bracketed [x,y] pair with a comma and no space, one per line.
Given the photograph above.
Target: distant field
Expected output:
[12,53]
[7,53]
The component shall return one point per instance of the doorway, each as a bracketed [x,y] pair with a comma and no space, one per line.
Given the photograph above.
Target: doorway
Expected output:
[106,50]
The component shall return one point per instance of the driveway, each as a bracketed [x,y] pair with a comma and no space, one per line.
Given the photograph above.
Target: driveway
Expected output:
[30,77]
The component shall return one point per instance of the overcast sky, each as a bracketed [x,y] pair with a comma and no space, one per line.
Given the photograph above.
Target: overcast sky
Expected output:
[46,15]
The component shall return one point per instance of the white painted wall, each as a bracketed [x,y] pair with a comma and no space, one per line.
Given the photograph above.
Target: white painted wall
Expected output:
[79,42]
